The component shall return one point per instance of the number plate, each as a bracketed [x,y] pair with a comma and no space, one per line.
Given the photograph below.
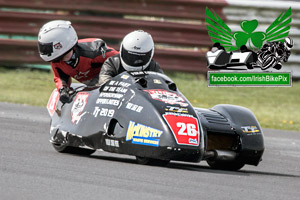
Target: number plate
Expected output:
[185,129]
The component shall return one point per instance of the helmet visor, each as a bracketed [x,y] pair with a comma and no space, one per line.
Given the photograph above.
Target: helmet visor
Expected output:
[135,59]
[46,48]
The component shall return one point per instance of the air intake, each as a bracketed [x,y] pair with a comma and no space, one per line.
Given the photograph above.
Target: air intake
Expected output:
[215,118]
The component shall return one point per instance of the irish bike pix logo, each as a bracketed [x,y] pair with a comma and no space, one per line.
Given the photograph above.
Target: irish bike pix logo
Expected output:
[257,52]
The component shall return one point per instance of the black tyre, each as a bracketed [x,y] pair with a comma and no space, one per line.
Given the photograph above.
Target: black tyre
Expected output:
[249,66]
[151,161]
[63,148]
[229,165]
[278,66]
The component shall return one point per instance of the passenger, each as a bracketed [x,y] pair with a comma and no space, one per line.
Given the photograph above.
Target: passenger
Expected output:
[69,57]
[136,53]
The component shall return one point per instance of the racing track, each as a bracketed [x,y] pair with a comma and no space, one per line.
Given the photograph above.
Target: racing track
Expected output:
[31,169]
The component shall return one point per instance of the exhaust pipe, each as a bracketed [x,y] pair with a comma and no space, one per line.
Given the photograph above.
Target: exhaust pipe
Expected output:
[220,155]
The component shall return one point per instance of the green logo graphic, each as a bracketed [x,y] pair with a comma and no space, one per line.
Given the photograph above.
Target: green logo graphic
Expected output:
[221,33]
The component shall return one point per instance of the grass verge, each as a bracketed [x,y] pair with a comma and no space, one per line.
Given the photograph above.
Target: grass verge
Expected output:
[274,107]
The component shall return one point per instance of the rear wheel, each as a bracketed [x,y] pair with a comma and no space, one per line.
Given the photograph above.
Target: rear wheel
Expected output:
[64,148]
[228,165]
[151,161]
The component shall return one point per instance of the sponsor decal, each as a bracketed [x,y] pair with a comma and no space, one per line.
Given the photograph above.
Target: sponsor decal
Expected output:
[167,97]
[115,89]
[134,107]
[52,102]
[184,128]
[176,109]
[80,75]
[78,107]
[112,102]
[105,112]
[113,143]
[251,130]
[111,95]
[142,134]
[125,76]
[57,45]
[157,81]
[138,73]
[119,83]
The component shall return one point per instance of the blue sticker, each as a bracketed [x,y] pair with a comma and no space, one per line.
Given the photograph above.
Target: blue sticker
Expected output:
[143,135]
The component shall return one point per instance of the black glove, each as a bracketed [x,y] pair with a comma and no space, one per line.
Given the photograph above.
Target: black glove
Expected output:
[64,94]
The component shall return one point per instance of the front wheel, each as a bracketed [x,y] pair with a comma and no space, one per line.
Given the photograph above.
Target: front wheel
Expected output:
[64,148]
[228,165]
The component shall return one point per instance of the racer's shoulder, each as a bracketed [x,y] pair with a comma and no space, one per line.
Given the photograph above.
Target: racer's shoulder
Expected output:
[90,44]
[113,61]
[92,48]
[154,66]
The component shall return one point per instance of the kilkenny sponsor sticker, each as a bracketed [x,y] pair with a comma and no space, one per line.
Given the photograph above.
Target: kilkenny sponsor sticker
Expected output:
[167,97]
[184,128]
[142,134]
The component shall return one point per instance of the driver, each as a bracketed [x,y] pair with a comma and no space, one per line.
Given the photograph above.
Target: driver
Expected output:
[136,53]
[69,57]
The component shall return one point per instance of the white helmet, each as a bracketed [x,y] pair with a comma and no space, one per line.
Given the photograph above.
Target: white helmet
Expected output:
[136,51]
[288,43]
[55,39]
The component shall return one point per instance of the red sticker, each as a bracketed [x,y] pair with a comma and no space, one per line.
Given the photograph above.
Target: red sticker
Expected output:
[52,102]
[185,129]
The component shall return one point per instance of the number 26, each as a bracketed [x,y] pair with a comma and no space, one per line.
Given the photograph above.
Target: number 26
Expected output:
[186,129]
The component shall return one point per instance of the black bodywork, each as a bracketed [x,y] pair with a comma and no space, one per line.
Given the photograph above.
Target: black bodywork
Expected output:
[143,114]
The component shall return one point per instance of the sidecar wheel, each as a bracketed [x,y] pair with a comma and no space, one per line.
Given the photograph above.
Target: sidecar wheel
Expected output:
[151,161]
[249,66]
[231,166]
[62,148]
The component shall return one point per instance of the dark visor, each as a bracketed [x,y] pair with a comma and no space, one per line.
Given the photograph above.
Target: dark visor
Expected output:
[46,48]
[135,59]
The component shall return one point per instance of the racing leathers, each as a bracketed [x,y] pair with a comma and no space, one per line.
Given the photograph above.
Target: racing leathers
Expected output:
[85,64]
[113,67]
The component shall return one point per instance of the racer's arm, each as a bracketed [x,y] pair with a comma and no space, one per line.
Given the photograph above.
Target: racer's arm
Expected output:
[108,71]
[60,78]
[62,82]
[157,68]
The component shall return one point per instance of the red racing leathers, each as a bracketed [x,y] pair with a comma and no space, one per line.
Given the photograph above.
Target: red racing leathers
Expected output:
[84,66]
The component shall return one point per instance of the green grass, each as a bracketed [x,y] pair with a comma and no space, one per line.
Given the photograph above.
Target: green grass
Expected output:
[25,86]
[275,107]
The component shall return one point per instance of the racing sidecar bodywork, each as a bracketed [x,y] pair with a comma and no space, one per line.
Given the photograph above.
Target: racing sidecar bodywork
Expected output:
[143,114]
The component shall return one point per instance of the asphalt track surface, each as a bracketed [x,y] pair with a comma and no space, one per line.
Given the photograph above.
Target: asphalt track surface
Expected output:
[31,169]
